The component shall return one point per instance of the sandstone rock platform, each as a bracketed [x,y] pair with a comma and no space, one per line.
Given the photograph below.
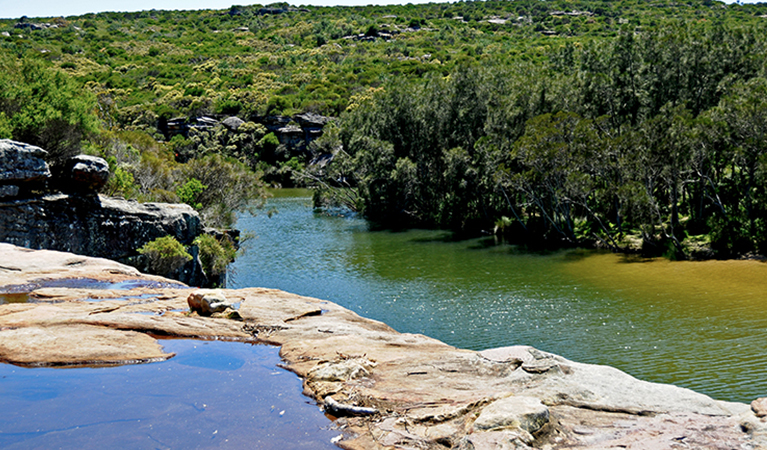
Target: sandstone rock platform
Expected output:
[390,390]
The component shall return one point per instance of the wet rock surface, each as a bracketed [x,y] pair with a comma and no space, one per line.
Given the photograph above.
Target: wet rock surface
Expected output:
[393,390]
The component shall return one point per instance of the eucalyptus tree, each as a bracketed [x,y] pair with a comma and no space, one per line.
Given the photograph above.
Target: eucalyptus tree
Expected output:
[744,111]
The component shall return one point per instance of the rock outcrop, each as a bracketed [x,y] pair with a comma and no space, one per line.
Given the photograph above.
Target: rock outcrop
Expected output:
[389,390]
[22,168]
[94,225]
[71,217]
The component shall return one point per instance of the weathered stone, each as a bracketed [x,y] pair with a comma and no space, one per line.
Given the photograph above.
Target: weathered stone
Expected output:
[214,302]
[525,413]
[497,440]
[75,344]
[195,301]
[311,120]
[84,173]
[344,370]
[22,163]
[759,406]
[207,303]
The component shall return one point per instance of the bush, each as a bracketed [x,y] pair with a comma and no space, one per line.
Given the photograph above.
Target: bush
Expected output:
[165,255]
[215,255]
[190,192]
[45,107]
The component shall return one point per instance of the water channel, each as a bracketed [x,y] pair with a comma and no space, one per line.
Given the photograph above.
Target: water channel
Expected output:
[701,325]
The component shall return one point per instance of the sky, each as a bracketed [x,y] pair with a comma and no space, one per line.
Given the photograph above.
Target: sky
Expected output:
[55,8]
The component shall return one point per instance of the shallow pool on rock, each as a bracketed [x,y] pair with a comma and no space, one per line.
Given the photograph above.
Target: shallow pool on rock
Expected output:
[212,394]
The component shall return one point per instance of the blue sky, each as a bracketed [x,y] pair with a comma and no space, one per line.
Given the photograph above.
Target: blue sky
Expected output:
[53,8]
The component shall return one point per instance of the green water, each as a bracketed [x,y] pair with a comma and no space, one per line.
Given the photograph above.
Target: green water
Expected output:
[699,325]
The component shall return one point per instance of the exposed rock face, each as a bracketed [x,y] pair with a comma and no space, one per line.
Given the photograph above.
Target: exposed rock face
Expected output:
[295,132]
[9,190]
[400,391]
[64,212]
[105,227]
[21,165]
[94,226]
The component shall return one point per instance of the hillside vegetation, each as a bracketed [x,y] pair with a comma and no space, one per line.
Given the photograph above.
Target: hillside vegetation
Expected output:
[600,122]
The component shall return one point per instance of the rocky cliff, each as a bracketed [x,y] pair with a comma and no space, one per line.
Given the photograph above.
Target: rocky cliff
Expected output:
[63,212]
[384,389]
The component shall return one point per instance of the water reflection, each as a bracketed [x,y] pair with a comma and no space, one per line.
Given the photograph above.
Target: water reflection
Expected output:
[699,325]
[222,395]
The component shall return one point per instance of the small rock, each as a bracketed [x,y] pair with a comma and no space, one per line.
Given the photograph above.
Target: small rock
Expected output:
[195,301]
[759,406]
[208,303]
[526,413]
[214,303]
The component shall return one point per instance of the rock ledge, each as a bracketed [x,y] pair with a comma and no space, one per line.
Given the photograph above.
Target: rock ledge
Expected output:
[393,390]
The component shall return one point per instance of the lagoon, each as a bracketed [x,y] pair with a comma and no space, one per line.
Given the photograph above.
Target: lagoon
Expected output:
[700,325]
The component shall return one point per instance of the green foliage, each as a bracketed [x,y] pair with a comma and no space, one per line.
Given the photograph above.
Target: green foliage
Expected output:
[230,187]
[585,148]
[615,118]
[165,255]
[121,183]
[190,192]
[43,106]
[215,255]
[6,131]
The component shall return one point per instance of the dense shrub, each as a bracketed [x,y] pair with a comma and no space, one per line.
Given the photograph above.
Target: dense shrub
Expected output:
[165,255]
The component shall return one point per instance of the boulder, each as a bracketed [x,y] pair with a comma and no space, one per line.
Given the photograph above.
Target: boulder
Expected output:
[84,173]
[233,123]
[22,163]
[311,120]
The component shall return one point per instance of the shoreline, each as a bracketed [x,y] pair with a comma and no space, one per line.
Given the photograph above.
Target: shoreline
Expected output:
[392,390]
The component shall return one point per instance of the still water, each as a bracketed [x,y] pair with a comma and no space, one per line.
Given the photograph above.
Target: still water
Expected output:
[701,325]
[212,394]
